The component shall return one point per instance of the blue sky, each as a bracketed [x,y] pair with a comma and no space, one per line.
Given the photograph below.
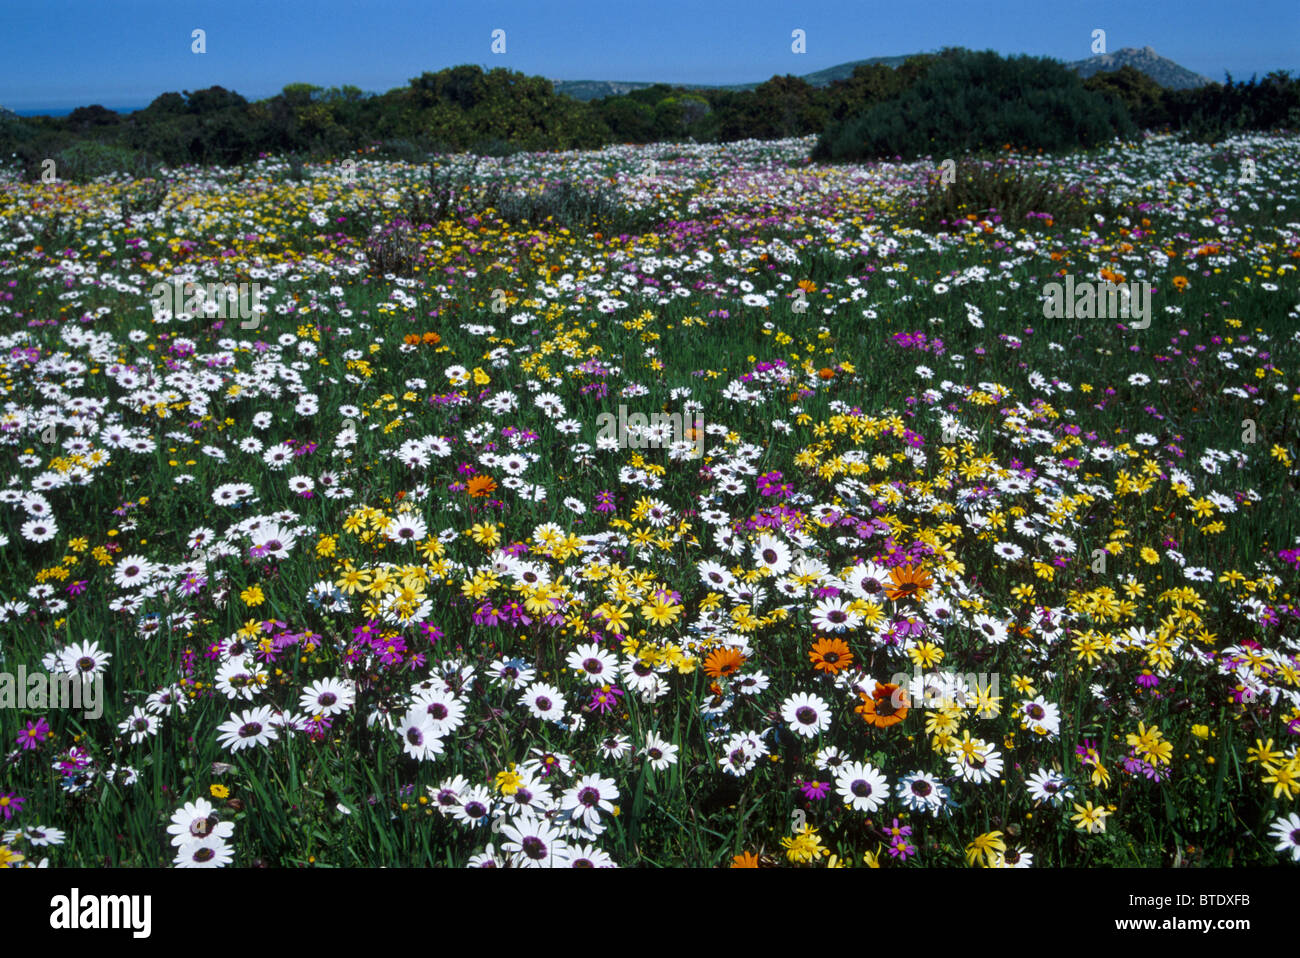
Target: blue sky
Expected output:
[62,53]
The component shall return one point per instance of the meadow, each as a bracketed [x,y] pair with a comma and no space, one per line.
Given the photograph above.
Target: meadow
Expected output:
[898,572]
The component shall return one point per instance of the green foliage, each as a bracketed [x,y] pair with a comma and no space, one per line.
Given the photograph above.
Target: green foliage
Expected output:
[955,101]
[980,101]
[990,188]
[88,159]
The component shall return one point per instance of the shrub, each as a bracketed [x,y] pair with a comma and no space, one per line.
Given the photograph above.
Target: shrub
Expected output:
[89,159]
[394,249]
[980,101]
[984,187]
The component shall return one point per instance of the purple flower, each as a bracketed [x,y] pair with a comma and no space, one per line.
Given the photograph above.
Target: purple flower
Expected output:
[815,791]
[605,698]
[34,734]
[10,802]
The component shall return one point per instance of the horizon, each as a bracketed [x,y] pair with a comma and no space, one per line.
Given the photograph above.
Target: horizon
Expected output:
[60,55]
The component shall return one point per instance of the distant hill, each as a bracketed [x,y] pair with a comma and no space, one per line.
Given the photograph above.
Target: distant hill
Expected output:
[1165,72]
[595,89]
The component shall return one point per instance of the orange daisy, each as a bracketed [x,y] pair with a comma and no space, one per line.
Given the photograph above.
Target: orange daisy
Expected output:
[878,709]
[481,486]
[745,860]
[723,662]
[432,339]
[908,582]
[830,655]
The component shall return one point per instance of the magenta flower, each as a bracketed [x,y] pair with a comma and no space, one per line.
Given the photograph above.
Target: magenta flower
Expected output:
[814,791]
[902,849]
[34,734]
[605,698]
[10,802]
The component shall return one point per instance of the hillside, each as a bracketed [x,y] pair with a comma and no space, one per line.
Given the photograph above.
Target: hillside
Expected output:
[1164,71]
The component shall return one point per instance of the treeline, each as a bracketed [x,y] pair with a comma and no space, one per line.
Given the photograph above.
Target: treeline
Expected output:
[931,104]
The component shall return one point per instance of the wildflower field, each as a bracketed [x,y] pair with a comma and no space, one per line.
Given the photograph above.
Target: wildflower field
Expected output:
[747,514]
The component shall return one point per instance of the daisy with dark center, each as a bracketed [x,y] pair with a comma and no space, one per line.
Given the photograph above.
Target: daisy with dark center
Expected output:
[446,796]
[922,792]
[197,820]
[586,799]
[594,663]
[207,852]
[589,856]
[544,702]
[247,729]
[1287,832]
[327,697]
[659,752]
[831,656]
[475,805]
[418,737]
[1048,787]
[806,715]
[446,713]
[861,786]
[834,615]
[533,842]
[84,658]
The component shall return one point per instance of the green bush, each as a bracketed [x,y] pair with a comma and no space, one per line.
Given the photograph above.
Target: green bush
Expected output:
[968,102]
[88,159]
[1009,192]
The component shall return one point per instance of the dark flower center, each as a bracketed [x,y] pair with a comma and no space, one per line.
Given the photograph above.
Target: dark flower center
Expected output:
[806,715]
[328,699]
[204,855]
[251,730]
[415,736]
[589,797]
[438,710]
[534,847]
[592,665]
[543,703]
[860,788]
[921,788]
